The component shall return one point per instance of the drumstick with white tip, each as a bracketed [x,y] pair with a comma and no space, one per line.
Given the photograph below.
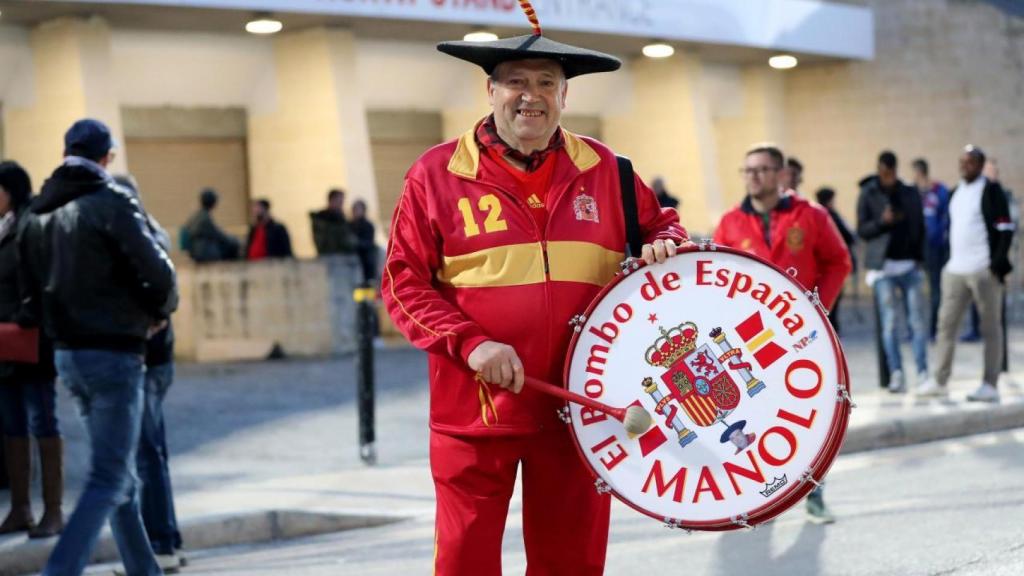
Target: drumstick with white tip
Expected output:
[634,418]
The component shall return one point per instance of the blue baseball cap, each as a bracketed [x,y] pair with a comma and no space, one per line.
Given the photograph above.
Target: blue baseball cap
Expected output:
[88,138]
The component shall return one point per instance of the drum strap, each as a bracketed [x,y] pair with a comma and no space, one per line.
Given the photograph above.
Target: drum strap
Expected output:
[626,186]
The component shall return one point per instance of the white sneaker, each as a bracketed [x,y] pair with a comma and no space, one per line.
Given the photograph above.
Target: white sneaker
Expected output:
[927,387]
[985,393]
[896,383]
[168,563]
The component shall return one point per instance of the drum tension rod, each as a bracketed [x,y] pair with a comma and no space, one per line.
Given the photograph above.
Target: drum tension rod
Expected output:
[602,486]
[629,265]
[577,322]
[808,477]
[816,300]
[706,245]
[741,521]
[844,396]
[563,414]
[673,524]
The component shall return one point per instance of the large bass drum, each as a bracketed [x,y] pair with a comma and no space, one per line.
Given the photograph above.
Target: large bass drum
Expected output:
[742,373]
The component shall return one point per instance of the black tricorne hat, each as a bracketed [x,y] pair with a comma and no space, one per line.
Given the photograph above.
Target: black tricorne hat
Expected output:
[574,60]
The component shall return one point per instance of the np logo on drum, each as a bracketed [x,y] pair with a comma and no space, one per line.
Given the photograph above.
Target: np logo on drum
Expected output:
[742,373]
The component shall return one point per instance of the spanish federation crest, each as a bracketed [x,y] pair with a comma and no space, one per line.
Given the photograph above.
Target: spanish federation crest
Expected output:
[698,381]
[585,207]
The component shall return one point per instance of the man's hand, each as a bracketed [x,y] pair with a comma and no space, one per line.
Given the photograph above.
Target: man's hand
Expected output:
[498,364]
[156,328]
[889,217]
[658,251]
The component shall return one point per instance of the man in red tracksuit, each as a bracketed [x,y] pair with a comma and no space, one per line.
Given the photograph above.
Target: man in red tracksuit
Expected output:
[793,234]
[499,238]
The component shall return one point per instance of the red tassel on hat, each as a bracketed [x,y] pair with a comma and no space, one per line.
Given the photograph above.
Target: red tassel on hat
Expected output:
[531,15]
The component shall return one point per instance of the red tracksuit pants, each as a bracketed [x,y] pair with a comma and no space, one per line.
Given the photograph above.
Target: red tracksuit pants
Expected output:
[565,520]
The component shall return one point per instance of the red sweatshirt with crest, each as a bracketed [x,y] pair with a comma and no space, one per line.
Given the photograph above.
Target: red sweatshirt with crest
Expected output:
[468,262]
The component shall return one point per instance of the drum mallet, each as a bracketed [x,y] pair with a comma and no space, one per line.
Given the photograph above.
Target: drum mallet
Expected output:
[634,418]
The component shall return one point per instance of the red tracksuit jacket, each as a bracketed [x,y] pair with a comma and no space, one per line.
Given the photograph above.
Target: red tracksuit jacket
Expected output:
[802,235]
[466,263]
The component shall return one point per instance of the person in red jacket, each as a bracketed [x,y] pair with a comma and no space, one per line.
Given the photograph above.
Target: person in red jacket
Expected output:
[498,239]
[792,233]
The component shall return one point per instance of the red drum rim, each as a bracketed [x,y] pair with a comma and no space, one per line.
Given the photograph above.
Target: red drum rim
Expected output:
[821,462]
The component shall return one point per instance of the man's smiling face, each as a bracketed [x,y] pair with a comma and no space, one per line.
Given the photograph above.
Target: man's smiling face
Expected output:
[527,97]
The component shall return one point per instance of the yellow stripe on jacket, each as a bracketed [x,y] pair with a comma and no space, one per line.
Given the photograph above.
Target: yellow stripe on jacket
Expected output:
[521,264]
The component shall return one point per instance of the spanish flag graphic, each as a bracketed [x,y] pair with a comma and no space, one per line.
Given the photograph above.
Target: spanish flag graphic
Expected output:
[759,340]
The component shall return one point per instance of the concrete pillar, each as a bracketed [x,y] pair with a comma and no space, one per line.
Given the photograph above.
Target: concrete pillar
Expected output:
[761,118]
[314,135]
[70,77]
[668,132]
[467,98]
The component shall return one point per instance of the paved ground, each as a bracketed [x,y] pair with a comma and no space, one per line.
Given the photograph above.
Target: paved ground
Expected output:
[283,435]
[945,508]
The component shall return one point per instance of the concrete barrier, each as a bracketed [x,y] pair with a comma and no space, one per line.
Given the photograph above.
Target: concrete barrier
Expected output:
[244,310]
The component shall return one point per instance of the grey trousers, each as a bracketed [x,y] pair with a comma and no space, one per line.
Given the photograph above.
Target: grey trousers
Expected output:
[958,290]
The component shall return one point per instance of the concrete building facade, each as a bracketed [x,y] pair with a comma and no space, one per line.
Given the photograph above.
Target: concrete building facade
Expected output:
[352,91]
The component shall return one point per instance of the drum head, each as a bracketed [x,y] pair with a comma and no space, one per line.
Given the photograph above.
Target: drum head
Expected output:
[742,374]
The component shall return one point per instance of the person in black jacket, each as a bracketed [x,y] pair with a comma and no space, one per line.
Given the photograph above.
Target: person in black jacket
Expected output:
[28,394]
[202,238]
[106,286]
[331,231]
[268,238]
[890,219]
[366,242]
[826,197]
[980,234]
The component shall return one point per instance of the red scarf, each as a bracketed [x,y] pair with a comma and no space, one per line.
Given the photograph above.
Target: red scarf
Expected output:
[487,136]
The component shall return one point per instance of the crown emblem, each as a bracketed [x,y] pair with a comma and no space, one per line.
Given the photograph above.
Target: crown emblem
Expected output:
[774,486]
[672,345]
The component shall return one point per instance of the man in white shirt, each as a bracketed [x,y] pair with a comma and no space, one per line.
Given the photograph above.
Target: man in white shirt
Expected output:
[979,240]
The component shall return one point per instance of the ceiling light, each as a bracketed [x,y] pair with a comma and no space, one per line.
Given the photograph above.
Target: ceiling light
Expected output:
[782,62]
[263,25]
[480,36]
[658,50]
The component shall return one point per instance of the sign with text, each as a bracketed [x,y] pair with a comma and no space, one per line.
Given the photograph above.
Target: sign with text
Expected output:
[808,26]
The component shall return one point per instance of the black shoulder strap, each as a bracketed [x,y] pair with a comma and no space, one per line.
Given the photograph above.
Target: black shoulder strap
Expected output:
[626,186]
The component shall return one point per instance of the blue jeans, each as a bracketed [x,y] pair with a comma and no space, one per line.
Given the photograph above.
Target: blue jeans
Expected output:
[894,292]
[157,496]
[107,386]
[29,407]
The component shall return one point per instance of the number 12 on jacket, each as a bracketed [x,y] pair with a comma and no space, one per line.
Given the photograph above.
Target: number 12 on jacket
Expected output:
[488,204]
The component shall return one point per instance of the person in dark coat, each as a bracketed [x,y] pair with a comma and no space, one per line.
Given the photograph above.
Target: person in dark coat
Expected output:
[268,238]
[202,238]
[826,197]
[152,459]
[890,220]
[331,231]
[665,200]
[28,394]
[366,244]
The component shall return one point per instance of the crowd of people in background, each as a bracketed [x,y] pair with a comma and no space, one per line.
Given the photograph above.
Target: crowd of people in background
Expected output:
[959,240]
[334,233]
